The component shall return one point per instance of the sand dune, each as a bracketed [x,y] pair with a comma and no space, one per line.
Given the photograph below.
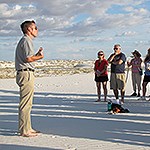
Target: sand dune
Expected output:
[49,68]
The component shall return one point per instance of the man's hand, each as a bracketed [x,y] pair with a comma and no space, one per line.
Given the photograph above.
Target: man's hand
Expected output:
[40,52]
[37,56]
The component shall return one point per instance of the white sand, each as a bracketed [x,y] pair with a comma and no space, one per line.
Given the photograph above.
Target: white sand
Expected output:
[65,112]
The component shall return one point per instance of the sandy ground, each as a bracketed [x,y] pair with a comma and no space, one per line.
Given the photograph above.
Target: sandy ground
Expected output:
[65,112]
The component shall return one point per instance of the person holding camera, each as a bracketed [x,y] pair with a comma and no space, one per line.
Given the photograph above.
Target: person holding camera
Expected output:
[135,64]
[101,75]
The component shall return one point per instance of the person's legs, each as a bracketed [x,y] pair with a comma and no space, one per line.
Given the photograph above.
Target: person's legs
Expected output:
[25,106]
[146,80]
[98,84]
[105,90]
[121,85]
[144,88]
[134,83]
[138,82]
[122,92]
[113,83]
[116,93]
[26,82]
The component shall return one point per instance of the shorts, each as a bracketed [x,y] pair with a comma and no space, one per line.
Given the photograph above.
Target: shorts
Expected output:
[117,81]
[101,78]
[146,78]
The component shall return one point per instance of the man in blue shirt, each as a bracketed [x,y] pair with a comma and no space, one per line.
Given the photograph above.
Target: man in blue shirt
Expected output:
[117,77]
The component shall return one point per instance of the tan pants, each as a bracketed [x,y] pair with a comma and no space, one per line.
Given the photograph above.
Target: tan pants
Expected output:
[136,81]
[25,81]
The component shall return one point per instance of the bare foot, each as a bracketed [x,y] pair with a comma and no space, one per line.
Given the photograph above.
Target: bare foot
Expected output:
[98,100]
[34,131]
[29,135]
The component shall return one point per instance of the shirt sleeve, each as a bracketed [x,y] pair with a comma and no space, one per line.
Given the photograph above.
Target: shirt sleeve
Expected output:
[28,49]
[123,57]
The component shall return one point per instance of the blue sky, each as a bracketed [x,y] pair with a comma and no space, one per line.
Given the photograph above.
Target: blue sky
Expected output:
[75,29]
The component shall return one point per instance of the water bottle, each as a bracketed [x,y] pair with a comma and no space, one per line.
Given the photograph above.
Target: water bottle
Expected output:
[109,108]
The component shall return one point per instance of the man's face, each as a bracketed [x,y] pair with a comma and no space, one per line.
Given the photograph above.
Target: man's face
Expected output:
[117,49]
[34,30]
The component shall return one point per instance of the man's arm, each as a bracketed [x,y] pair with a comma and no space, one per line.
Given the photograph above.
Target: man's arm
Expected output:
[34,58]
[119,62]
[115,62]
[110,59]
[37,56]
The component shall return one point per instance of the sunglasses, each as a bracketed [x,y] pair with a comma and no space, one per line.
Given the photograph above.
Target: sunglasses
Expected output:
[116,48]
[35,28]
[100,54]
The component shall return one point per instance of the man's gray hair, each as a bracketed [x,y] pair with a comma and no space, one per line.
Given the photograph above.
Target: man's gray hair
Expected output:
[118,45]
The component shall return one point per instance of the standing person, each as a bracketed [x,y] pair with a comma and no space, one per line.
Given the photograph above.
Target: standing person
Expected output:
[146,79]
[117,77]
[101,75]
[24,59]
[136,76]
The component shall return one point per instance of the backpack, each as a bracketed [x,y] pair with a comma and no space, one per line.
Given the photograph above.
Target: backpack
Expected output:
[116,108]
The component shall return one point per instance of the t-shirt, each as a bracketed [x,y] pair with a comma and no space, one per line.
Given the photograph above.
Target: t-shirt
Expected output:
[118,68]
[147,68]
[136,64]
[101,65]
[24,49]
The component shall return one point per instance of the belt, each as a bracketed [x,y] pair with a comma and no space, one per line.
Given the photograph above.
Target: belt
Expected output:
[27,69]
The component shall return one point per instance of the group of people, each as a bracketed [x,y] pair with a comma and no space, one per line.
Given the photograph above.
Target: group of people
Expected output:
[24,64]
[118,77]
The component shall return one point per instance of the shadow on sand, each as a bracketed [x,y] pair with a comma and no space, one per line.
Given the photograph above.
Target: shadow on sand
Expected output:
[14,147]
[78,116]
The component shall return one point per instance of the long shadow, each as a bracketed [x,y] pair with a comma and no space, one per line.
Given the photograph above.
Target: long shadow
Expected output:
[14,147]
[77,115]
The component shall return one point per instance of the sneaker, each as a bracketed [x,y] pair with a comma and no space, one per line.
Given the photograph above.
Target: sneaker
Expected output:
[117,101]
[134,94]
[138,95]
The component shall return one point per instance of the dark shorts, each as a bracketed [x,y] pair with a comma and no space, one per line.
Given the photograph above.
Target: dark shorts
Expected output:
[101,78]
[146,79]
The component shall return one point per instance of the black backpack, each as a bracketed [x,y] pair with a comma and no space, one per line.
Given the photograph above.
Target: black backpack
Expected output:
[116,108]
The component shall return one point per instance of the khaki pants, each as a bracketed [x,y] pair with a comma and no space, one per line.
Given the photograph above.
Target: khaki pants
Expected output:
[25,81]
[136,80]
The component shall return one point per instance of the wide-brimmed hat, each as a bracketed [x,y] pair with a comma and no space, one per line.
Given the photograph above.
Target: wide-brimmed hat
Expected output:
[137,53]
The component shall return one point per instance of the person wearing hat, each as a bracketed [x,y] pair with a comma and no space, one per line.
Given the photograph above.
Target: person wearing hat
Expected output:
[135,64]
